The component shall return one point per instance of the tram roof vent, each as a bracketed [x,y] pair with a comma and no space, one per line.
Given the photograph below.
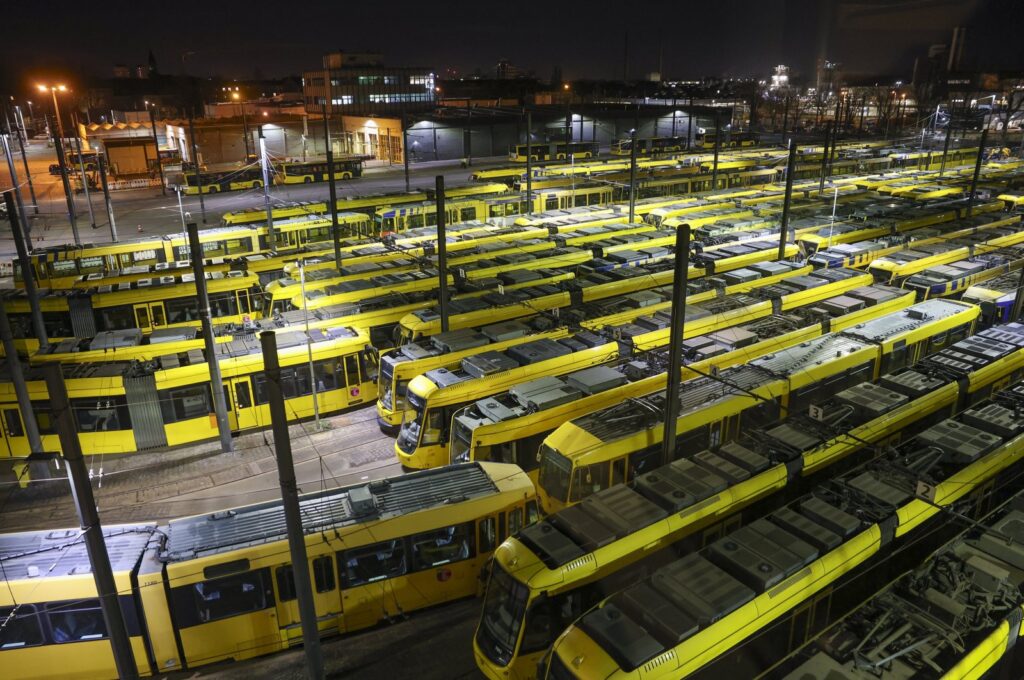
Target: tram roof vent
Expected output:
[361,500]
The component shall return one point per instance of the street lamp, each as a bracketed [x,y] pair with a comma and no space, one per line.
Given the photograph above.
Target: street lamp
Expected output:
[58,140]
[151,108]
[53,90]
[245,124]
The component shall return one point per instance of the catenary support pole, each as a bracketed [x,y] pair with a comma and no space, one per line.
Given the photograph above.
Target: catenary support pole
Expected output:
[442,254]
[156,148]
[195,163]
[28,275]
[675,350]
[529,163]
[824,161]
[24,161]
[632,175]
[58,145]
[220,408]
[945,145]
[265,171]
[28,417]
[405,148]
[102,168]
[290,501]
[332,189]
[718,146]
[85,178]
[835,136]
[16,188]
[977,171]
[787,199]
[88,516]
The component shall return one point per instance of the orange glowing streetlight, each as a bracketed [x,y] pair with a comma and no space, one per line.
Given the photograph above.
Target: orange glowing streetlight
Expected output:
[53,90]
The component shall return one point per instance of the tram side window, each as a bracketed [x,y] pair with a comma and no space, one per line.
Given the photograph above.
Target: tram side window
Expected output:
[294,383]
[58,325]
[515,521]
[763,414]
[219,598]
[589,479]
[326,372]
[959,333]
[12,423]
[44,418]
[182,310]
[351,370]
[116,318]
[323,574]
[441,546]
[102,415]
[897,358]
[21,325]
[183,403]
[488,537]
[643,461]
[21,630]
[223,304]
[75,621]
[372,563]
[242,398]
[550,616]
[285,583]
[467,214]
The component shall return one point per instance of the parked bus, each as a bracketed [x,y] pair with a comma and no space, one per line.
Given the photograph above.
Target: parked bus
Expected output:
[547,151]
[223,180]
[308,172]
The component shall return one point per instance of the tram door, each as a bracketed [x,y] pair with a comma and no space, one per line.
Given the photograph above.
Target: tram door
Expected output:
[150,315]
[323,578]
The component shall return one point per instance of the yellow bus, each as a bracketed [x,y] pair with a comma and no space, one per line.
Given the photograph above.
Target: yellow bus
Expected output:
[307,172]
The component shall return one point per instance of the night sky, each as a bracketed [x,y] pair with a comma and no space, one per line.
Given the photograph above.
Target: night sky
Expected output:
[726,37]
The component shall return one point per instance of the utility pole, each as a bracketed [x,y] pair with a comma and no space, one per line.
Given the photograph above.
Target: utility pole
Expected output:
[405,148]
[945,144]
[35,443]
[977,171]
[216,384]
[689,125]
[632,175]
[62,162]
[467,141]
[85,179]
[309,346]
[784,224]
[156,147]
[332,188]
[89,519]
[718,145]
[24,160]
[28,275]
[835,136]
[824,161]
[264,167]
[442,254]
[15,187]
[290,502]
[102,166]
[675,352]
[195,161]
[529,163]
